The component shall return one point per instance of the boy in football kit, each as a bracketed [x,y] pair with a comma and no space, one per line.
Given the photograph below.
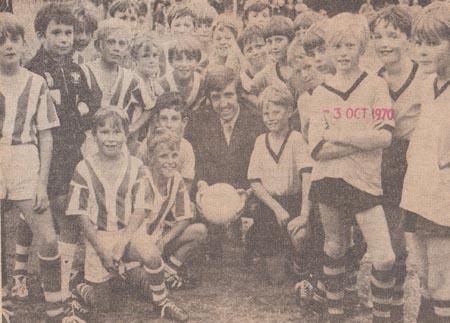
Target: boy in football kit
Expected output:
[54,26]
[279,172]
[391,31]
[346,178]
[27,116]
[110,196]
[426,185]
[112,85]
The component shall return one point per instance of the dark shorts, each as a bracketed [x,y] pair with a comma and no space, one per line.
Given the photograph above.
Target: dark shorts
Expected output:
[393,170]
[265,237]
[418,224]
[65,159]
[338,194]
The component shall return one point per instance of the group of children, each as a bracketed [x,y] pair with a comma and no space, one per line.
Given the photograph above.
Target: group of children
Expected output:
[335,127]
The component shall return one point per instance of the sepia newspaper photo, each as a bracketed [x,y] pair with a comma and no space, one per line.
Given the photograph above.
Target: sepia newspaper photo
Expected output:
[261,161]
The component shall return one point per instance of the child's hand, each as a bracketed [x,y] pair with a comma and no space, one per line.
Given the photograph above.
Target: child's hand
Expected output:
[119,250]
[41,202]
[107,260]
[282,217]
[297,227]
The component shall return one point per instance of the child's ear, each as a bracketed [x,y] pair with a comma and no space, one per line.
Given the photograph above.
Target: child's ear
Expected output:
[184,121]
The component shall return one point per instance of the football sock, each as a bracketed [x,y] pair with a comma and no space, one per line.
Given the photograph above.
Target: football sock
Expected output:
[67,251]
[351,279]
[157,284]
[24,238]
[398,293]
[333,274]
[86,292]
[50,271]
[381,285]
[441,310]
[174,264]
[426,312]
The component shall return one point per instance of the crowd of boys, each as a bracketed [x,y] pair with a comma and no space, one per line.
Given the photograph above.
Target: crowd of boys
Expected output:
[335,129]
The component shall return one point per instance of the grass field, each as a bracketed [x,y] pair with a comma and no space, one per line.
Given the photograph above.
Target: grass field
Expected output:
[230,292]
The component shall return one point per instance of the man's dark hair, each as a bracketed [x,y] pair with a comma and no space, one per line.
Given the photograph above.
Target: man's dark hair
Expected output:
[171,100]
[218,78]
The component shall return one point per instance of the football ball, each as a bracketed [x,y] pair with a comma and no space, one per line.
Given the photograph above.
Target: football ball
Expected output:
[220,203]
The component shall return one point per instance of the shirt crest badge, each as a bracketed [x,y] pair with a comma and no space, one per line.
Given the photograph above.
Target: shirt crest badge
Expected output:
[75,77]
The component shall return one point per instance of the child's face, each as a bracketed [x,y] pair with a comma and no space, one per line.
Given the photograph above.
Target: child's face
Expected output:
[259,18]
[434,56]
[255,52]
[172,120]
[147,63]
[82,39]
[320,59]
[300,32]
[184,66]
[389,42]
[129,16]
[275,117]
[277,46]
[223,40]
[165,160]
[308,73]
[115,46]
[110,138]
[225,102]
[203,30]
[296,61]
[58,39]
[11,49]
[182,26]
[345,53]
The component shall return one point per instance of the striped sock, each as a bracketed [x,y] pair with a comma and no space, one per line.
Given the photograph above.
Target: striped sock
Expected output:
[398,292]
[24,238]
[382,283]
[174,264]
[441,310]
[426,312]
[50,271]
[333,274]
[86,292]
[157,284]
[351,279]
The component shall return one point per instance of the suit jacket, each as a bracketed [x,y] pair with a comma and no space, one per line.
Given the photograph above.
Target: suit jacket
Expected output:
[218,162]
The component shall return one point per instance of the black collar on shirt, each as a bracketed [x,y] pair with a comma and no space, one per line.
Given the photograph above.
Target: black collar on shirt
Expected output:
[439,91]
[396,94]
[346,95]
[276,157]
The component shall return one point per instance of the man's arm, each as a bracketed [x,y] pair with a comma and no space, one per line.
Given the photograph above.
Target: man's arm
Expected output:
[327,150]
[45,156]
[369,139]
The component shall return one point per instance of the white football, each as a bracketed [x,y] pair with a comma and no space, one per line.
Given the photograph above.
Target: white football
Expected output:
[220,203]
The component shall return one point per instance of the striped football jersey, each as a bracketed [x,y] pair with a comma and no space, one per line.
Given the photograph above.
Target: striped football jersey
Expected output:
[109,205]
[25,111]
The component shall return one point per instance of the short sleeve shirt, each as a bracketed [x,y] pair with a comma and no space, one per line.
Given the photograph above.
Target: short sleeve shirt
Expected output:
[280,173]
[365,104]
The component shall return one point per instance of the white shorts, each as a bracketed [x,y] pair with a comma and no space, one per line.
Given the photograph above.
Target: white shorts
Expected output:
[19,171]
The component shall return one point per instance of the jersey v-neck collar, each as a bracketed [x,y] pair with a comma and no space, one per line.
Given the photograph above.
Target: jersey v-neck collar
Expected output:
[276,157]
[396,94]
[346,95]
[438,91]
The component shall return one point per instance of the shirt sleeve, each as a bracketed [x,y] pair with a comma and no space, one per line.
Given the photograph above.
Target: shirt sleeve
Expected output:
[78,198]
[255,169]
[46,112]
[302,157]
[182,207]
[382,109]
[141,193]
[188,168]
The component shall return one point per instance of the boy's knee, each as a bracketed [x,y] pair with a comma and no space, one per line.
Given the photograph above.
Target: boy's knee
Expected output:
[199,232]
[383,260]
[334,250]
[151,256]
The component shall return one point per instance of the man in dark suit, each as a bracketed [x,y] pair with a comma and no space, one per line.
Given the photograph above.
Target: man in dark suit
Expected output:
[223,137]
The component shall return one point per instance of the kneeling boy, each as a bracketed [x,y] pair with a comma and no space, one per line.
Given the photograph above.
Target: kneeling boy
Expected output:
[111,195]
[277,170]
